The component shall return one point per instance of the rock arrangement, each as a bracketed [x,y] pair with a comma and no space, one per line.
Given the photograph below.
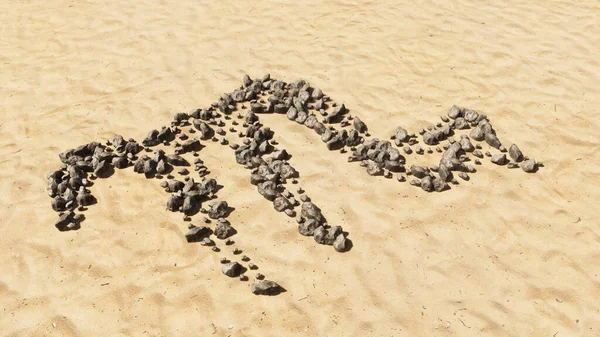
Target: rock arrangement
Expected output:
[268,166]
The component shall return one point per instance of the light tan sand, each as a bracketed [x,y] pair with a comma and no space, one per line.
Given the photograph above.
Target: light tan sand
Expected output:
[505,254]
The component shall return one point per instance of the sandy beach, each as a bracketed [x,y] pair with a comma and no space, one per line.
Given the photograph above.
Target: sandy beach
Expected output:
[504,254]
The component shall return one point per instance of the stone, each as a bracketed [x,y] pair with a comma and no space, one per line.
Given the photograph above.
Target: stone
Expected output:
[478,154]
[359,125]
[281,204]
[311,211]
[515,153]
[64,220]
[477,134]
[407,149]
[268,190]
[463,176]
[196,234]
[374,168]
[512,165]
[340,243]
[439,185]
[218,210]
[492,140]
[290,212]
[307,228]
[461,124]
[327,236]
[419,171]
[455,112]
[466,145]
[400,178]
[499,159]
[266,287]
[317,94]
[58,204]
[85,198]
[529,166]
[190,205]
[232,269]
[427,184]
[444,172]
[174,203]
[223,230]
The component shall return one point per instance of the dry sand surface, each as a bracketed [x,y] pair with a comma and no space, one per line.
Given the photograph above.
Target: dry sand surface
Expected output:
[504,254]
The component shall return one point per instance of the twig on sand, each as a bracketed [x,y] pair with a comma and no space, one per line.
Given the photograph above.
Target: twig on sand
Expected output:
[303,298]
[463,323]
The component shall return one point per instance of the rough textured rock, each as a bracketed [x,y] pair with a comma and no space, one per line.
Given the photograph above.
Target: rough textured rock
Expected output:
[307,228]
[499,159]
[529,166]
[340,243]
[492,140]
[232,269]
[268,189]
[515,153]
[223,230]
[374,168]
[419,171]
[266,287]
[427,184]
[281,204]
[311,211]
[359,125]
[196,234]
[218,210]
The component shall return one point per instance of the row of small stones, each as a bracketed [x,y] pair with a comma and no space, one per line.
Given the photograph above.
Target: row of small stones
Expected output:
[284,202]
[70,221]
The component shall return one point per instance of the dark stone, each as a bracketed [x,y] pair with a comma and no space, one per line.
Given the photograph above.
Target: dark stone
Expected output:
[311,211]
[492,140]
[266,287]
[340,243]
[218,210]
[223,230]
[268,189]
[419,171]
[174,203]
[307,228]
[499,159]
[196,234]
[529,166]
[64,220]
[58,204]
[176,160]
[427,184]
[232,269]
[515,153]
[281,204]
[359,125]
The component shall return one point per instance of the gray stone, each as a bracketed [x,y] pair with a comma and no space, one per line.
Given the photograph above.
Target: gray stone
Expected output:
[499,159]
[218,210]
[419,171]
[340,243]
[359,125]
[455,112]
[492,140]
[444,172]
[374,168]
[232,269]
[268,189]
[311,211]
[281,204]
[307,228]
[266,287]
[464,176]
[196,234]
[529,166]
[477,134]
[515,153]
[439,185]
[223,230]
[427,184]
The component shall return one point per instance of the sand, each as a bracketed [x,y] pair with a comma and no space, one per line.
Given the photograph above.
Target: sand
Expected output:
[504,254]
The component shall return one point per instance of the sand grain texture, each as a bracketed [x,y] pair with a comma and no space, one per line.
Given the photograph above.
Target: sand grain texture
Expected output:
[504,254]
